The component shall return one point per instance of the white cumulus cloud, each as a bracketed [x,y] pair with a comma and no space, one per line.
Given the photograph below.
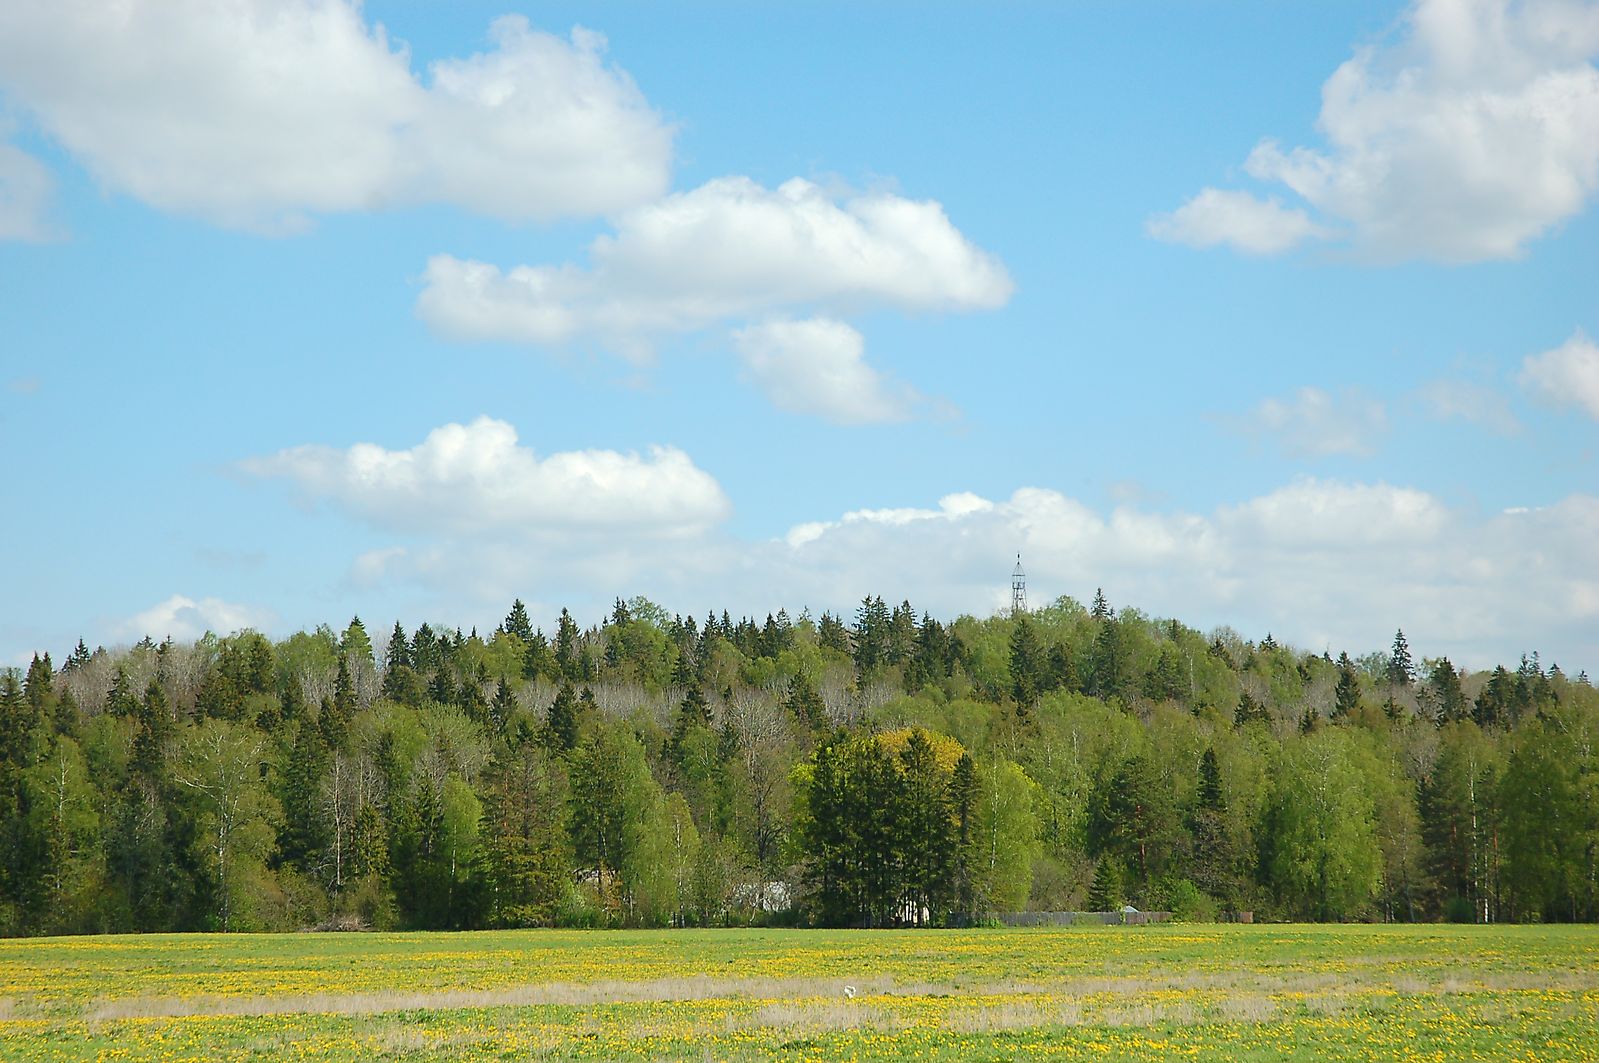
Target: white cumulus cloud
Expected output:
[818,366]
[727,251]
[1567,375]
[1317,423]
[1469,134]
[1319,562]
[476,479]
[257,113]
[1238,219]
[187,618]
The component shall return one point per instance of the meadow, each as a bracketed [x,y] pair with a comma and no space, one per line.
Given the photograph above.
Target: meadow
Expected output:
[1207,992]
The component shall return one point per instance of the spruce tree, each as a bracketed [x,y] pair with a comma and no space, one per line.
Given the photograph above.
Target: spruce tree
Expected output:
[1249,710]
[398,653]
[303,835]
[1448,696]
[927,836]
[442,689]
[1493,703]
[517,622]
[357,645]
[1026,664]
[120,700]
[830,633]
[1348,693]
[1101,609]
[1105,895]
[1215,856]
[567,663]
[1401,669]
[805,704]
[152,745]
[963,811]
[503,707]
[560,725]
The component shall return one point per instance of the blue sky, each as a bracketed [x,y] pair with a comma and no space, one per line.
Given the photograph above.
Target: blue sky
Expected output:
[1276,316]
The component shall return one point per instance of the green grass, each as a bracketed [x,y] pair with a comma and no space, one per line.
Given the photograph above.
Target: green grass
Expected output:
[1200,991]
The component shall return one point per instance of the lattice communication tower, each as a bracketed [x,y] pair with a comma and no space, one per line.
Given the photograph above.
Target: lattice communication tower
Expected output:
[1018,588]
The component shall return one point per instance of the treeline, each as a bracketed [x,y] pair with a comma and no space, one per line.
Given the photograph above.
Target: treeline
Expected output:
[886,769]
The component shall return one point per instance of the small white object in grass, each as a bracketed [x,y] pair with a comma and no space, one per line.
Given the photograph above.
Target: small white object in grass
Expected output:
[849,992]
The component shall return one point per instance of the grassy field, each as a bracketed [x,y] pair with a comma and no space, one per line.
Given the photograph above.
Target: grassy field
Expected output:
[1199,992]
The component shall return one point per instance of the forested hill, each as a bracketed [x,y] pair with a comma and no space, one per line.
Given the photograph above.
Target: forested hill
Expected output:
[886,768]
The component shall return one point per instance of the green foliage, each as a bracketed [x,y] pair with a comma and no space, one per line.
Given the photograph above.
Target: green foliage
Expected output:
[1325,862]
[657,770]
[1105,895]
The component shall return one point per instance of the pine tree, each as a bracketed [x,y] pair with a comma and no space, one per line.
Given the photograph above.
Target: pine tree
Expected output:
[1215,856]
[1134,816]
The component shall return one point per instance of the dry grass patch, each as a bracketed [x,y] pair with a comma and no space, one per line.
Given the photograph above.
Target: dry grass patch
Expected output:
[572,994]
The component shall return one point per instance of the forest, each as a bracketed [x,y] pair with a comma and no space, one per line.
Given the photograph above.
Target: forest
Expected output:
[876,770]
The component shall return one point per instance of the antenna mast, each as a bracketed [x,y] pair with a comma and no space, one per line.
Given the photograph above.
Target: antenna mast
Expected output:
[1018,589]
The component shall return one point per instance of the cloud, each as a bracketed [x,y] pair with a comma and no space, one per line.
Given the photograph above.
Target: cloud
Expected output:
[26,192]
[1238,219]
[1471,133]
[1314,423]
[185,618]
[1462,400]
[256,113]
[1321,563]
[1567,375]
[818,367]
[477,480]
[729,250]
